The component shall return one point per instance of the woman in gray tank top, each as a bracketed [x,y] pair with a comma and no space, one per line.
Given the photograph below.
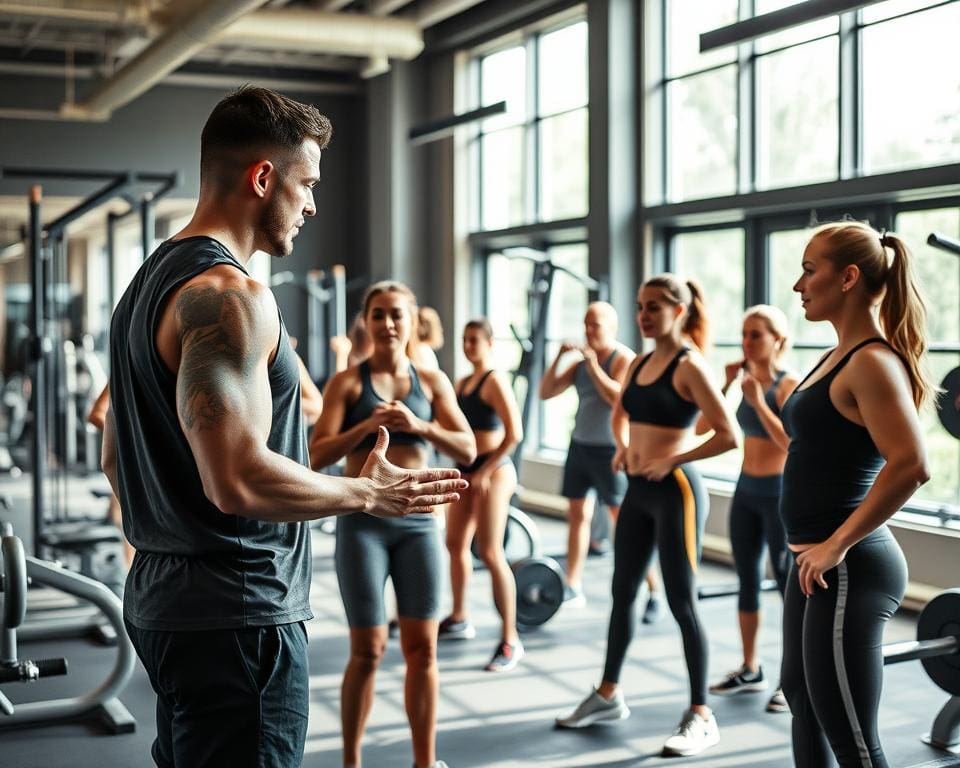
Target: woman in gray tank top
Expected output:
[419,409]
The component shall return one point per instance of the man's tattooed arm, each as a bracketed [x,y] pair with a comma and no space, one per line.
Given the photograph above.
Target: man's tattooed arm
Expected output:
[221,350]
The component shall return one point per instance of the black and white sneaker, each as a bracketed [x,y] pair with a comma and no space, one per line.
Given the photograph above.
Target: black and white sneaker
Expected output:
[456,629]
[740,681]
[693,735]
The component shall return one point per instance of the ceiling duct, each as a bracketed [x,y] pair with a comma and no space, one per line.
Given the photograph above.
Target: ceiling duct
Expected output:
[344,34]
[184,38]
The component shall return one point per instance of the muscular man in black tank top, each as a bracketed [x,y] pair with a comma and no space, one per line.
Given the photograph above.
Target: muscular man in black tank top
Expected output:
[205,448]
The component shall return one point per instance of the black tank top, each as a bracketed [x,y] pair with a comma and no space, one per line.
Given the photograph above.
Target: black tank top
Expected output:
[196,567]
[480,415]
[415,400]
[831,464]
[658,402]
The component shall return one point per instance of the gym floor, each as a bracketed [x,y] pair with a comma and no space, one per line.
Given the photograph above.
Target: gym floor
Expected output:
[502,720]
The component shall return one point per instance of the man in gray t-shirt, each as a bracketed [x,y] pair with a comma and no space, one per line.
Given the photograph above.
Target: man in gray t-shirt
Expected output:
[597,376]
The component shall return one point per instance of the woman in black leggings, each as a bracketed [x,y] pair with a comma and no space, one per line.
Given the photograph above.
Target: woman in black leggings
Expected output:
[754,515]
[856,456]
[666,505]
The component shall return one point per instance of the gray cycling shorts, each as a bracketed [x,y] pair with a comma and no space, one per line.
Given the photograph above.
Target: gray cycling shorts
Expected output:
[407,549]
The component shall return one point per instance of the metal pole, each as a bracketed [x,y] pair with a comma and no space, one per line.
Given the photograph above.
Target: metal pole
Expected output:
[339,300]
[539,308]
[112,219]
[336,314]
[148,225]
[314,349]
[38,358]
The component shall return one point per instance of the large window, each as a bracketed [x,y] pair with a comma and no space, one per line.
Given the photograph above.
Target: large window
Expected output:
[939,274]
[508,279]
[770,114]
[701,98]
[715,259]
[529,178]
[531,162]
[797,103]
[739,134]
[911,85]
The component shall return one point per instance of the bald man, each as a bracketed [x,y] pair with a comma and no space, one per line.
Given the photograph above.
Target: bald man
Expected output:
[597,371]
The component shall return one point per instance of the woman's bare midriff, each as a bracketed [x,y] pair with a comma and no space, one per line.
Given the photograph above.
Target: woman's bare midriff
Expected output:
[762,457]
[406,456]
[488,440]
[650,441]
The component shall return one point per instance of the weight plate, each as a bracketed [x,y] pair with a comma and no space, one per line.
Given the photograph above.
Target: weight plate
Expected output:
[14,582]
[539,590]
[948,404]
[941,618]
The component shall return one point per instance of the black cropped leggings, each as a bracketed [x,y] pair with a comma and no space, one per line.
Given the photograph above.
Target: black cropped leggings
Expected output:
[667,517]
[755,526]
[832,655]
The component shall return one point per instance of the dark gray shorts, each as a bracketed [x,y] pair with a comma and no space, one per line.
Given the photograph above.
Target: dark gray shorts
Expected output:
[237,697]
[408,550]
[588,467]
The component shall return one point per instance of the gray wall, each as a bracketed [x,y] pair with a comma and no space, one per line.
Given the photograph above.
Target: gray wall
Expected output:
[160,131]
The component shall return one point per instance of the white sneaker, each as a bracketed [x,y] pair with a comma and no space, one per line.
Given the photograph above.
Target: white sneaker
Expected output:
[693,735]
[595,709]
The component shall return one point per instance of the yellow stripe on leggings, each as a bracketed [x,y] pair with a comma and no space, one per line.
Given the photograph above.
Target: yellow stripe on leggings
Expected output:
[689,516]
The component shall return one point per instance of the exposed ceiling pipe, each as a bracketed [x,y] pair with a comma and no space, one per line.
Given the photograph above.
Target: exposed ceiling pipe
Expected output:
[430,12]
[96,11]
[386,7]
[8,113]
[332,5]
[184,38]
[346,34]
[190,79]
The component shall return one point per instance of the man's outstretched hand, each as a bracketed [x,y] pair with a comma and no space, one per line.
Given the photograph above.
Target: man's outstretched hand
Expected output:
[399,491]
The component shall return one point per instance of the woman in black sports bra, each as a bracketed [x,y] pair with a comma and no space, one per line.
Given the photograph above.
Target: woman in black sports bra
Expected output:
[487,401]
[419,409]
[666,505]
[856,456]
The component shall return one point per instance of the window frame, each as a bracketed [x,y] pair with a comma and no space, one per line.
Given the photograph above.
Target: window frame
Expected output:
[531,126]
[758,227]
[534,232]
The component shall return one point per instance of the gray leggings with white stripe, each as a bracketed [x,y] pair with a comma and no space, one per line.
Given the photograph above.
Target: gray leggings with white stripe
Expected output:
[832,656]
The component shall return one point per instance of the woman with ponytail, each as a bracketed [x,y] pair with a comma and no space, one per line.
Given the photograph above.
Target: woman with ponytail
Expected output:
[855,457]
[666,504]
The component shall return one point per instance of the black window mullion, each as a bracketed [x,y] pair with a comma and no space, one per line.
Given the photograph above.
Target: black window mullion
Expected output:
[531,132]
[850,106]
[666,148]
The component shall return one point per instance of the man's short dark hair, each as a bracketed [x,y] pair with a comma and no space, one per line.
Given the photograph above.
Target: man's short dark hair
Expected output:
[252,121]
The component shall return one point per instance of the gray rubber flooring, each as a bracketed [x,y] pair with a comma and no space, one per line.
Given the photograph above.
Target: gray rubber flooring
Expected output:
[501,720]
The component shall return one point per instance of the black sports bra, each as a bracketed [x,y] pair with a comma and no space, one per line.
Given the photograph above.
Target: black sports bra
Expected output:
[480,415]
[415,400]
[658,403]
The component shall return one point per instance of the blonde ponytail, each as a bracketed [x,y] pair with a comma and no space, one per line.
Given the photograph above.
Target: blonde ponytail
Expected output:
[903,317]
